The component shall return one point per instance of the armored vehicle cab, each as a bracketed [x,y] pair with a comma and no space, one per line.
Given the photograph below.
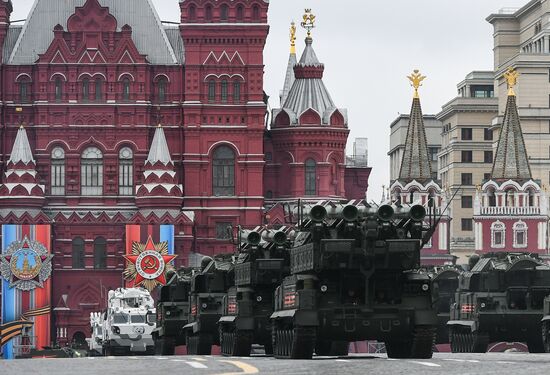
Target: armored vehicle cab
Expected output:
[128,322]
[352,280]
[444,286]
[259,269]
[173,312]
[500,299]
[208,288]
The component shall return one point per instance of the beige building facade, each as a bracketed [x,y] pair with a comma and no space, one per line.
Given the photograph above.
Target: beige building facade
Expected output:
[522,41]
[466,155]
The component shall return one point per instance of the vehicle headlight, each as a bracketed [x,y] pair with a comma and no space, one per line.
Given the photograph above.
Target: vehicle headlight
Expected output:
[425,287]
[259,298]
[324,288]
[168,312]
[204,305]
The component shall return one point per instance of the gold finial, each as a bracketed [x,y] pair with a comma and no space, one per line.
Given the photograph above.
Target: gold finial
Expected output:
[511,77]
[293,38]
[416,81]
[308,22]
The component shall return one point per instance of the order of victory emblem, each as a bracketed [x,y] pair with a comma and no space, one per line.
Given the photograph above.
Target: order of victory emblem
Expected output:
[26,264]
[148,264]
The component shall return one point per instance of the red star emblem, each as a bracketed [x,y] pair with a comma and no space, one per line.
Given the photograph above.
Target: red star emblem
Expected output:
[148,263]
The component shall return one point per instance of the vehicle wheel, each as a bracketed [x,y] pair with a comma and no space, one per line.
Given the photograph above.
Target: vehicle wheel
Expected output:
[453,340]
[204,344]
[476,342]
[419,345]
[165,346]
[536,345]
[191,342]
[268,348]
[546,336]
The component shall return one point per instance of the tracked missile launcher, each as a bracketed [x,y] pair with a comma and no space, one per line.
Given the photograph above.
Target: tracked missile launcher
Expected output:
[263,261]
[173,312]
[500,299]
[208,289]
[352,278]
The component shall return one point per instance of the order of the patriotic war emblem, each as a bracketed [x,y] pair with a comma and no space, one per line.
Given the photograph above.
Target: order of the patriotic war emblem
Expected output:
[148,263]
[26,264]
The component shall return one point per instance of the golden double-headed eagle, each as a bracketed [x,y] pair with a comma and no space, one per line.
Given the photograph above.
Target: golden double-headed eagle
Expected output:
[308,22]
[416,81]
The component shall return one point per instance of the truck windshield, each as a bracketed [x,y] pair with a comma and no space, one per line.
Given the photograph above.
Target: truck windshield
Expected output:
[120,319]
[138,318]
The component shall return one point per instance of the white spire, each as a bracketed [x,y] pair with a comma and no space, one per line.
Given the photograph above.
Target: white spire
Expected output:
[21,151]
[159,149]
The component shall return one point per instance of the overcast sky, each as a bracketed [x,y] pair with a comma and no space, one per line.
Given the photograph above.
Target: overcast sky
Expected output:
[368,47]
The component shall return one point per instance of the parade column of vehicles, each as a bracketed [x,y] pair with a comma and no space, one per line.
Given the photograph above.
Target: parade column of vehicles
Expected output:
[346,273]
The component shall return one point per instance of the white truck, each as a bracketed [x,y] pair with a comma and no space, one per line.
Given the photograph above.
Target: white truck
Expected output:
[128,322]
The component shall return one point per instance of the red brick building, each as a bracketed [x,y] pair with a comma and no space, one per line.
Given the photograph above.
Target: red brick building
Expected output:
[91,80]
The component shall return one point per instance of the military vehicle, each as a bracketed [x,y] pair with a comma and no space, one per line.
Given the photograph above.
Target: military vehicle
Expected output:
[128,322]
[208,288]
[95,342]
[173,312]
[352,279]
[259,269]
[546,325]
[501,298]
[444,285]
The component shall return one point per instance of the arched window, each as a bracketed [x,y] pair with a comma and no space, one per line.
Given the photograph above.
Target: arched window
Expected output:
[162,89]
[311,177]
[24,90]
[492,198]
[91,173]
[125,171]
[57,181]
[240,13]
[224,12]
[520,234]
[530,198]
[236,91]
[100,253]
[510,198]
[192,12]
[397,197]
[498,235]
[414,195]
[224,90]
[211,91]
[85,89]
[58,89]
[98,89]
[223,172]
[126,89]
[78,252]
[208,12]
[256,13]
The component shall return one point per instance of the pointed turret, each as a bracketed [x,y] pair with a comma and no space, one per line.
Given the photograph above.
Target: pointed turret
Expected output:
[160,187]
[308,102]
[511,161]
[415,164]
[292,61]
[21,188]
